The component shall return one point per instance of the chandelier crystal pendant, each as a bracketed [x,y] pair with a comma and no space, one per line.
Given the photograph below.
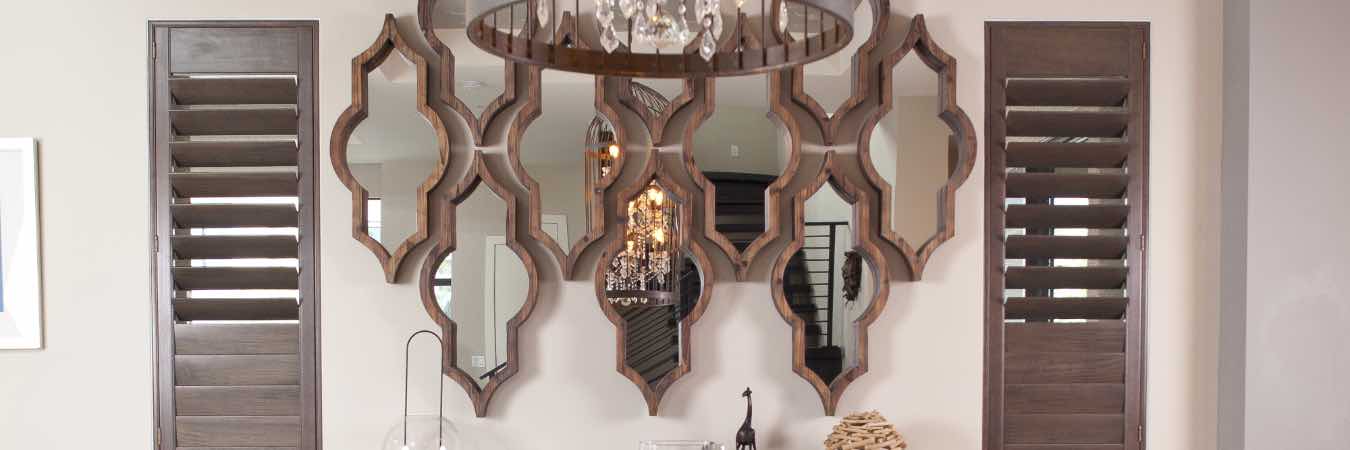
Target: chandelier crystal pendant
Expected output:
[643,271]
[663,38]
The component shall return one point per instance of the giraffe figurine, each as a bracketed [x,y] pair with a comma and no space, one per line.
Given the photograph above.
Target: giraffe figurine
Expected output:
[745,437]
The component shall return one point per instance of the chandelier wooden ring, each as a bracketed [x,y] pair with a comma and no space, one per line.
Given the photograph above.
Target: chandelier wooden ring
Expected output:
[506,42]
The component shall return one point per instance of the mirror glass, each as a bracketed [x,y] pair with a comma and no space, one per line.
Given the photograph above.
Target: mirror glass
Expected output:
[567,150]
[914,151]
[741,151]
[652,283]
[481,285]
[479,77]
[392,152]
[829,80]
[829,285]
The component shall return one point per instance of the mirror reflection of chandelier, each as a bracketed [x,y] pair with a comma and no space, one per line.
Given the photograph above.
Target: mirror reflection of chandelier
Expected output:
[643,271]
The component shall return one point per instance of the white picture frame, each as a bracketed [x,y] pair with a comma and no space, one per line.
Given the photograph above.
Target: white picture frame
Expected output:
[20,246]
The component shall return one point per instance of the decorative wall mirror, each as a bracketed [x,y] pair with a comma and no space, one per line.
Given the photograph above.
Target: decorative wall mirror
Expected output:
[831,87]
[389,148]
[737,147]
[917,147]
[653,283]
[479,284]
[566,150]
[830,283]
[475,84]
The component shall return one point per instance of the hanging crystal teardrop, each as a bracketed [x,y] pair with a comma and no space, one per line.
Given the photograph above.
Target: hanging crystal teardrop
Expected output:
[609,39]
[708,47]
[604,15]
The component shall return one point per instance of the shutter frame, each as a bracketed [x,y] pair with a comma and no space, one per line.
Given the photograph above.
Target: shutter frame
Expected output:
[1082,55]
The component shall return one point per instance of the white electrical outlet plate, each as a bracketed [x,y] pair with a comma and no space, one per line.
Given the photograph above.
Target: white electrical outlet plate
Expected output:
[479,361]
[735,151]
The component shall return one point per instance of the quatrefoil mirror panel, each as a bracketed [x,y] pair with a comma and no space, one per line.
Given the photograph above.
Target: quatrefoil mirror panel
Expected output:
[569,150]
[390,148]
[831,282]
[917,147]
[914,150]
[829,285]
[653,284]
[481,286]
[393,152]
[738,150]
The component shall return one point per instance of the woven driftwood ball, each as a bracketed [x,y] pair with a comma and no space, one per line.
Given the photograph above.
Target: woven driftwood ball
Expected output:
[865,431]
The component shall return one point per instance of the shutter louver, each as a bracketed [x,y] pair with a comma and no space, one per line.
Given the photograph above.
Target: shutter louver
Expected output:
[232,216]
[1067,109]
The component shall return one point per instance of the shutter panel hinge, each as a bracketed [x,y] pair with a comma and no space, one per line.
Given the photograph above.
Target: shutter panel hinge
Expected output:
[1143,242]
[1141,434]
[154,243]
[154,50]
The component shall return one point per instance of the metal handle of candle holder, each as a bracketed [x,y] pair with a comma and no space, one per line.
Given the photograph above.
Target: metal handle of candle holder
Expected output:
[440,409]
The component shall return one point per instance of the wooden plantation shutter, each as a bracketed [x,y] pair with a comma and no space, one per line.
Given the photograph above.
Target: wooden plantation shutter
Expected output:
[1067,118]
[233,192]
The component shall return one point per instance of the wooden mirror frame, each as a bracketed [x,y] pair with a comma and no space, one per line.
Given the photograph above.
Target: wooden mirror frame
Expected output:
[742,261]
[921,43]
[478,176]
[862,242]
[831,123]
[594,195]
[388,41]
[477,123]
[654,171]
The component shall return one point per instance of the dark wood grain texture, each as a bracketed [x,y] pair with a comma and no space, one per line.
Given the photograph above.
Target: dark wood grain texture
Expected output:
[653,392]
[478,177]
[238,400]
[237,339]
[237,370]
[830,392]
[831,122]
[251,431]
[920,44]
[388,41]
[478,122]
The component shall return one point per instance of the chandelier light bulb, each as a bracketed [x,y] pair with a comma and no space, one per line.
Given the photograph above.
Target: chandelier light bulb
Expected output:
[613,150]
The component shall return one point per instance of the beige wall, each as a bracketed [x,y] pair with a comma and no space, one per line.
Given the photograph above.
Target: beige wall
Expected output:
[1284,306]
[81,90]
